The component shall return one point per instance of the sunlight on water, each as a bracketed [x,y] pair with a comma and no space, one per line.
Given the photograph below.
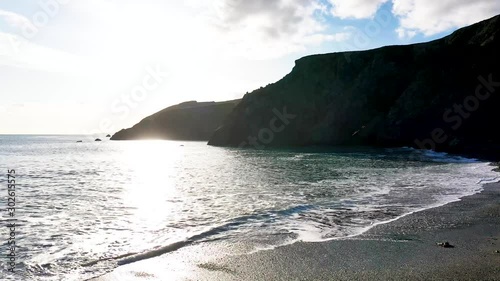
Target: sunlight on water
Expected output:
[81,203]
[153,166]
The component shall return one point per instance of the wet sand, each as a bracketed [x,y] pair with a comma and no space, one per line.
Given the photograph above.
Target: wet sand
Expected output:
[405,249]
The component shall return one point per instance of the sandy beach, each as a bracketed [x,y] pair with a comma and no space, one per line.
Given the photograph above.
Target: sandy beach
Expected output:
[405,249]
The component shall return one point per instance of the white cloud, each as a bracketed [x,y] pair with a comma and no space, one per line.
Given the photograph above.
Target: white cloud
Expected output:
[263,29]
[357,9]
[16,21]
[405,34]
[431,17]
[317,39]
[18,52]
[428,17]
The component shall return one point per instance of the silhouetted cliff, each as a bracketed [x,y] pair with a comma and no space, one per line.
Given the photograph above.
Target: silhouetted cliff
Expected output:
[186,121]
[442,94]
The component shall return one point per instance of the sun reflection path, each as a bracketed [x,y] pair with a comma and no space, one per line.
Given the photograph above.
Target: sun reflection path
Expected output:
[154,167]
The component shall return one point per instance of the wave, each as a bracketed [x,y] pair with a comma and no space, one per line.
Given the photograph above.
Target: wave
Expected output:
[304,221]
[200,237]
[434,156]
[490,180]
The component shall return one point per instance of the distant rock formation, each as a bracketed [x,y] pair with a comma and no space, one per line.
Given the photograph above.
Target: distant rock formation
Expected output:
[98,140]
[186,121]
[108,136]
[441,95]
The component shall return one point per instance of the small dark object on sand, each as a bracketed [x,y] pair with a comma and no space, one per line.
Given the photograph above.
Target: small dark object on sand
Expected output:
[79,141]
[98,140]
[497,251]
[445,245]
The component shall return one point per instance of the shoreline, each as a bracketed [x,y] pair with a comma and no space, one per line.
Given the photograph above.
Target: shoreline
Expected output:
[402,249]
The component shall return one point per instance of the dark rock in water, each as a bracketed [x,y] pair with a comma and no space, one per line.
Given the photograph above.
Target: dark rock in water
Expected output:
[108,136]
[186,121]
[439,95]
[98,140]
[79,141]
[445,245]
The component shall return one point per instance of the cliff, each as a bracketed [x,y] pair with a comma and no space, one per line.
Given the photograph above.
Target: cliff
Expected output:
[186,121]
[439,95]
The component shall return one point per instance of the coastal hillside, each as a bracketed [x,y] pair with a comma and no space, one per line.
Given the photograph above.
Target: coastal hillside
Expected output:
[186,121]
[439,95]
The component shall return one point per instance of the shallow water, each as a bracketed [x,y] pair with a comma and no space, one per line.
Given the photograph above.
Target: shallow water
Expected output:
[80,202]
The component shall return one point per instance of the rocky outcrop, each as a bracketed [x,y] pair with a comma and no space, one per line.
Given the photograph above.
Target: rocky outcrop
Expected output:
[441,95]
[186,121]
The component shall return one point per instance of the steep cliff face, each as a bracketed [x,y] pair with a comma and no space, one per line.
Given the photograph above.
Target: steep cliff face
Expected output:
[442,94]
[185,121]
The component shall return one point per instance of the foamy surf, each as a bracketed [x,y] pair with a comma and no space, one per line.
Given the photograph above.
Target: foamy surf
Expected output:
[310,231]
[76,227]
[481,171]
[313,230]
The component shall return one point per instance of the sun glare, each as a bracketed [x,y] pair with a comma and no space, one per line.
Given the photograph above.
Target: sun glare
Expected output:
[153,168]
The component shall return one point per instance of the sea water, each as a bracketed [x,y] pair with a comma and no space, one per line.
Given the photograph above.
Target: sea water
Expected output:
[78,203]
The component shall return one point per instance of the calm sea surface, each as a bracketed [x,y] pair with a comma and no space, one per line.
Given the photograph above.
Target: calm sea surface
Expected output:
[80,202]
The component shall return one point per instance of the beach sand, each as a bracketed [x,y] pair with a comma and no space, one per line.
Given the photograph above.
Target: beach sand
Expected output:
[404,249]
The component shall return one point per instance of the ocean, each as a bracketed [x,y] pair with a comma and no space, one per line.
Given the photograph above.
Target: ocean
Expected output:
[82,209]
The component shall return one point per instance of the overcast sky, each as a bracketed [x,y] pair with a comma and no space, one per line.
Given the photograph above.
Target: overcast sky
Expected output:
[83,66]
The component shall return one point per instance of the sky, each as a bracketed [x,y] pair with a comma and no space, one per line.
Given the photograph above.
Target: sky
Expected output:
[97,66]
